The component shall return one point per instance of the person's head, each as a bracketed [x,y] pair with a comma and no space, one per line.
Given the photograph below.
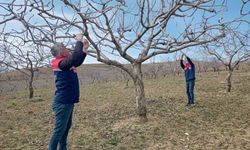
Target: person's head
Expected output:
[59,50]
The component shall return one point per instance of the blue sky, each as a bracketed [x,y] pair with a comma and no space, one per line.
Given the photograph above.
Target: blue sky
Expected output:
[174,26]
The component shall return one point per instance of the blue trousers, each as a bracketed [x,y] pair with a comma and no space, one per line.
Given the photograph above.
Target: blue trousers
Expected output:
[63,121]
[190,91]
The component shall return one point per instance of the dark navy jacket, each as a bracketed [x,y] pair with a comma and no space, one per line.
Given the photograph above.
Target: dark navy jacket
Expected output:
[189,70]
[66,79]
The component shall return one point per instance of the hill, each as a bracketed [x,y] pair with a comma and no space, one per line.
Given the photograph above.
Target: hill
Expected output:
[92,73]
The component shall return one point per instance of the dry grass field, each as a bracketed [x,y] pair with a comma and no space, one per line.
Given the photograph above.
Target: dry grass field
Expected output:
[105,118]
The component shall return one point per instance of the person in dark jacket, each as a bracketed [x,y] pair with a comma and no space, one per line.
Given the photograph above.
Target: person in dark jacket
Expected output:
[189,69]
[67,88]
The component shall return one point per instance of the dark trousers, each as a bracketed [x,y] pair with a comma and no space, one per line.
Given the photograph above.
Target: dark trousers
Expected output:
[190,91]
[63,121]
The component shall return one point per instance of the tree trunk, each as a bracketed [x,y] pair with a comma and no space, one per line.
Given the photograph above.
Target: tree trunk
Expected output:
[214,69]
[140,94]
[31,89]
[228,79]
[127,82]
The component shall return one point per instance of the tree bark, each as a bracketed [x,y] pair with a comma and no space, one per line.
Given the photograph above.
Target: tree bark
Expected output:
[140,94]
[127,81]
[31,89]
[228,79]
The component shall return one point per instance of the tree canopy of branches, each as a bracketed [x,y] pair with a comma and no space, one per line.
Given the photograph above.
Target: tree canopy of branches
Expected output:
[22,57]
[120,31]
[233,49]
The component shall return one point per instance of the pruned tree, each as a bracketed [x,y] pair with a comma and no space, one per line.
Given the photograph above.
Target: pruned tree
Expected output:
[204,64]
[26,59]
[122,31]
[3,68]
[95,76]
[154,69]
[172,66]
[175,66]
[215,64]
[199,67]
[232,50]
[125,77]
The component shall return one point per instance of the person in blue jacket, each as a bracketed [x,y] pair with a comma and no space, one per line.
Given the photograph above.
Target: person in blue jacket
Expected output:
[64,66]
[189,69]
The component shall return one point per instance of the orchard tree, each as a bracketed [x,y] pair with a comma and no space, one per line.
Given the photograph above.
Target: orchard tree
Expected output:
[26,59]
[125,77]
[232,50]
[215,64]
[121,31]
[3,67]
[154,69]
[175,66]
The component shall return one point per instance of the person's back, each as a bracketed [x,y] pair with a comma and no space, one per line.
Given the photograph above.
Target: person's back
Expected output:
[66,79]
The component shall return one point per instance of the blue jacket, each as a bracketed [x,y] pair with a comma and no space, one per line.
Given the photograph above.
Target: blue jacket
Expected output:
[66,79]
[189,70]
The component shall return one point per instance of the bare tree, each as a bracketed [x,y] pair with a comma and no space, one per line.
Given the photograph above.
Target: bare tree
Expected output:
[125,77]
[205,63]
[154,69]
[175,66]
[95,76]
[120,32]
[172,66]
[23,58]
[231,50]
[215,64]
[199,67]
[3,68]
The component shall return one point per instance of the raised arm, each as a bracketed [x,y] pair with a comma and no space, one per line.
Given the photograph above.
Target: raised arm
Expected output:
[181,62]
[76,59]
[182,65]
[189,60]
